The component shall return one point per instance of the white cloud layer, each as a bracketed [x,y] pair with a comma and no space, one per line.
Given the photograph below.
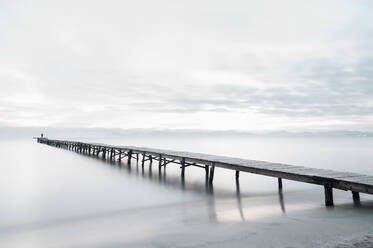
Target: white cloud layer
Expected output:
[246,65]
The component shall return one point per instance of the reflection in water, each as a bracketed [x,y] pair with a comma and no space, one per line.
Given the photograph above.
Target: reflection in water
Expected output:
[239,203]
[180,181]
[211,204]
[160,178]
[281,200]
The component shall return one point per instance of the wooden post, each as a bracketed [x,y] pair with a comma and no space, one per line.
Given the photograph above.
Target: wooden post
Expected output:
[143,159]
[150,166]
[279,183]
[212,171]
[237,174]
[164,163]
[160,162]
[104,153]
[129,154]
[137,157]
[182,167]
[328,195]
[120,156]
[355,196]
[111,154]
[207,172]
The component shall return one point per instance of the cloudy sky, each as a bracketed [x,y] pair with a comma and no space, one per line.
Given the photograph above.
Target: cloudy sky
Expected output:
[218,65]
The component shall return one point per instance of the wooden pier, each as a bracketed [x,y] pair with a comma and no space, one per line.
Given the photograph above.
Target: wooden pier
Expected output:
[329,179]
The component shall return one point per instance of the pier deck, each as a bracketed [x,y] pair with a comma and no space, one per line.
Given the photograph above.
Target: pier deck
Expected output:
[329,179]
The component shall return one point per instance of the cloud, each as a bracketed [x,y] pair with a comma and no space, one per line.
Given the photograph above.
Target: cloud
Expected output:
[187,64]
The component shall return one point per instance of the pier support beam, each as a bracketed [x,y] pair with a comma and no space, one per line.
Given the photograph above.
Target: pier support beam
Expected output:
[212,171]
[355,196]
[328,195]
[207,171]
[143,159]
[182,167]
[160,162]
[129,154]
[237,174]
[120,156]
[280,183]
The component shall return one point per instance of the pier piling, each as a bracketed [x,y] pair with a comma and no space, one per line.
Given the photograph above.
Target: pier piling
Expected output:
[280,183]
[328,195]
[212,171]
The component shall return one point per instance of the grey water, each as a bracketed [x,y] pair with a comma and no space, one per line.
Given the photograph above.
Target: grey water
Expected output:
[52,197]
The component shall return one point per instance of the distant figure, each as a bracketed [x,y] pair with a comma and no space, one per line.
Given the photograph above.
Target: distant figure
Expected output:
[41,135]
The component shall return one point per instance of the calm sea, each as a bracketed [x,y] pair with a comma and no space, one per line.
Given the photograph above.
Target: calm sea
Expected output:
[52,197]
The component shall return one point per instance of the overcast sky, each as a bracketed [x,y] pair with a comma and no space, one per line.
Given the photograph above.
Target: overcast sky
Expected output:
[221,65]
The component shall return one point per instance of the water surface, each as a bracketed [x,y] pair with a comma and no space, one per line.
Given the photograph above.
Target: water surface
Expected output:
[57,198]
